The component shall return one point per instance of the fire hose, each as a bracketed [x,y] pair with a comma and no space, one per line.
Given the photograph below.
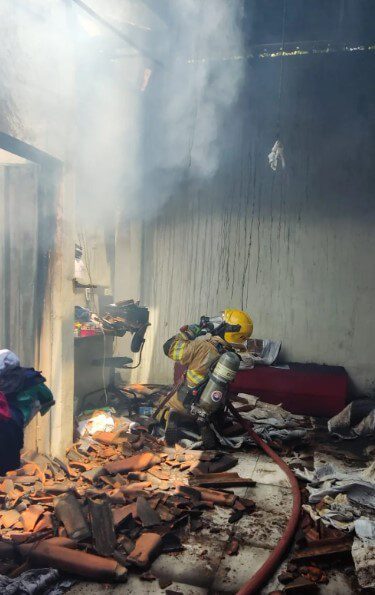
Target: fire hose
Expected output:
[262,575]
[253,586]
[210,400]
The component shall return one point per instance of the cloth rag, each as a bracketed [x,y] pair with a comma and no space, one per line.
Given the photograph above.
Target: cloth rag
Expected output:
[8,360]
[14,380]
[276,155]
[39,398]
[11,443]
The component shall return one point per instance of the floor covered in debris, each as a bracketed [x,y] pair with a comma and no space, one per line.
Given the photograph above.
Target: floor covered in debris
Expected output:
[205,566]
[124,506]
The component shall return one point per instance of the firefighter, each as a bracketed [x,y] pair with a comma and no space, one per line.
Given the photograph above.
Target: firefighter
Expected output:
[197,354]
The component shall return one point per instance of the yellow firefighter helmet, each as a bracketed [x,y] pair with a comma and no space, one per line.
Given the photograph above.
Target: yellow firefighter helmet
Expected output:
[238,317]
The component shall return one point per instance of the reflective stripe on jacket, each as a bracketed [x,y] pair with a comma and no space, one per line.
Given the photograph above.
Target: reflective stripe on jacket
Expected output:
[198,355]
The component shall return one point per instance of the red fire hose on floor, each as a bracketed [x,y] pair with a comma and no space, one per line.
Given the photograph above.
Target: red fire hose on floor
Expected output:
[259,579]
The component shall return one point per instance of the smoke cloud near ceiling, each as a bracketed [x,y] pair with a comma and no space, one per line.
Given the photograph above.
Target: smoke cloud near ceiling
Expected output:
[149,121]
[191,96]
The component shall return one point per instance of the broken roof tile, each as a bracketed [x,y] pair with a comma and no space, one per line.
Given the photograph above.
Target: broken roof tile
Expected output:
[31,516]
[146,548]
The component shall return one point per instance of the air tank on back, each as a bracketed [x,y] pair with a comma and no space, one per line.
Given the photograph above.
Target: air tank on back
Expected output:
[213,397]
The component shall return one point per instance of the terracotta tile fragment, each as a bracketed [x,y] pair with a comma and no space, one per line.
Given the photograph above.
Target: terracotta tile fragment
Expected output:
[147,547]
[157,471]
[133,488]
[69,511]
[138,462]
[148,576]
[137,475]
[220,479]
[45,522]
[9,518]
[148,516]
[6,486]
[119,514]
[74,562]
[31,516]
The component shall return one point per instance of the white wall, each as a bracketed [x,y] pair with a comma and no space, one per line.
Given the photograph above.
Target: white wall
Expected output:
[294,248]
[306,282]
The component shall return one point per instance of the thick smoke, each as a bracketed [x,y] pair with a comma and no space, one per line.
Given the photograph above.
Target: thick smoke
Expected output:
[131,125]
[141,139]
[190,97]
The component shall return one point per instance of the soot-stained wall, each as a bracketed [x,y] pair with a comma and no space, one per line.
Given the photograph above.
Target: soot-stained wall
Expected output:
[294,248]
[36,93]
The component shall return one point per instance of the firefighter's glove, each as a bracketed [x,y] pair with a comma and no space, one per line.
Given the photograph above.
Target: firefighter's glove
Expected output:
[191,331]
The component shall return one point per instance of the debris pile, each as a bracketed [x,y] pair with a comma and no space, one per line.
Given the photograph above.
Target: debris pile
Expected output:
[357,420]
[317,549]
[342,500]
[119,501]
[336,529]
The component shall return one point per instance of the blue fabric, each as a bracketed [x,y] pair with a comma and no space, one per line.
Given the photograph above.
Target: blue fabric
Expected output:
[17,416]
[18,379]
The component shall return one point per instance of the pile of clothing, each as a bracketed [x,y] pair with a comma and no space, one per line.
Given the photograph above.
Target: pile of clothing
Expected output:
[23,394]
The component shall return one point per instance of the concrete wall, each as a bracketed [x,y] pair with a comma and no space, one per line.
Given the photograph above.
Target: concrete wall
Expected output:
[37,74]
[36,92]
[294,248]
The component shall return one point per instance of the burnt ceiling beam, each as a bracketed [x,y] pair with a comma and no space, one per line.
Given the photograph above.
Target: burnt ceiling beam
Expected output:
[97,17]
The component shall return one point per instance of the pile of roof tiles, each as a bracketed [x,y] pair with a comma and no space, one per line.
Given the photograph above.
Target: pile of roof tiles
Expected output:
[118,501]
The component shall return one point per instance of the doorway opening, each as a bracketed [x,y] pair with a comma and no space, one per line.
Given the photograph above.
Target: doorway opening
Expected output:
[19,182]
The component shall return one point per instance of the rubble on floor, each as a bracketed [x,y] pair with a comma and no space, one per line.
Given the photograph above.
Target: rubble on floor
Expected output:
[119,501]
[356,420]
[363,552]
[44,580]
[337,493]
[121,498]
[272,423]
[344,498]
